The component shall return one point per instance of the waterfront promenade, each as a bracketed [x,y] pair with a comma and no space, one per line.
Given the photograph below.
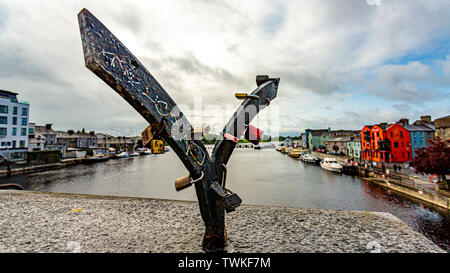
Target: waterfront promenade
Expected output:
[55,222]
[406,183]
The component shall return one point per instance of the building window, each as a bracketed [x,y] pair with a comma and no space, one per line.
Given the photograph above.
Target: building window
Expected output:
[14,131]
[22,143]
[4,109]
[24,121]
[391,134]
[24,111]
[3,120]
[14,144]
[396,144]
[14,121]
[15,110]
[401,134]
[23,131]
[3,131]
[31,131]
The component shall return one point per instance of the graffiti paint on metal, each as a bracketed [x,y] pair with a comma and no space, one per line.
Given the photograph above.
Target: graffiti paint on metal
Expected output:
[109,59]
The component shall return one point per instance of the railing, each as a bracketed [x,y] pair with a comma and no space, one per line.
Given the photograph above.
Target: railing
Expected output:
[399,179]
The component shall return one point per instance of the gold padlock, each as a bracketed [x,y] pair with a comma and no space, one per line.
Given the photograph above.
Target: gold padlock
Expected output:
[186,181]
[183,182]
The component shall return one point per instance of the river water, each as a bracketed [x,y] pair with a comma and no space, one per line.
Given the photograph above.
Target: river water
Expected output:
[260,177]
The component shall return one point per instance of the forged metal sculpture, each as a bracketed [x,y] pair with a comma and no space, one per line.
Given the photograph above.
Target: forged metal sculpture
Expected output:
[111,61]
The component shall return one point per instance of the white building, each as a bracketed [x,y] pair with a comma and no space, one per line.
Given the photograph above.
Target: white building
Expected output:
[35,142]
[288,142]
[13,126]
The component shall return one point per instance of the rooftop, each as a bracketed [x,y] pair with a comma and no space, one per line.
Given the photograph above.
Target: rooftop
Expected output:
[8,92]
[319,132]
[417,128]
[442,118]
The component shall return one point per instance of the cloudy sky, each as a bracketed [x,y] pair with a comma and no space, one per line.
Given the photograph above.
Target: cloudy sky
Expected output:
[342,63]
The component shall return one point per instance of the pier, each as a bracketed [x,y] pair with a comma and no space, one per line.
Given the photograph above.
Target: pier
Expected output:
[57,222]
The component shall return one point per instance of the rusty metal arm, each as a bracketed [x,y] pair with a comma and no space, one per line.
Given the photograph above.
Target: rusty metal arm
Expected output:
[236,126]
[111,61]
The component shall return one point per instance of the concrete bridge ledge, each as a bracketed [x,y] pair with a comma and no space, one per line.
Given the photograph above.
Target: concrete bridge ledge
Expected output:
[57,222]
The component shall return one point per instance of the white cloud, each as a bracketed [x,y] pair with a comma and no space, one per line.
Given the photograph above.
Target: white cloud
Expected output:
[322,50]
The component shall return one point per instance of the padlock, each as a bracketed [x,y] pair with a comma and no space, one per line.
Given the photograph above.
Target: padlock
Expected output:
[183,182]
[243,96]
[232,201]
[186,181]
[253,134]
[240,96]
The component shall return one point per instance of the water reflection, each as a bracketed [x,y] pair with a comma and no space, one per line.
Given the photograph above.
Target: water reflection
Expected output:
[261,177]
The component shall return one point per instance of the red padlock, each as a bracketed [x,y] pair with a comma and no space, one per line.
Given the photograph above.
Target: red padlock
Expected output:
[253,134]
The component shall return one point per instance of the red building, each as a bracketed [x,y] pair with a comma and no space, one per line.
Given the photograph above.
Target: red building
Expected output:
[400,143]
[383,143]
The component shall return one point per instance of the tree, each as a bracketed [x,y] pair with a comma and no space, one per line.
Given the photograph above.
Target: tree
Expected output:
[434,159]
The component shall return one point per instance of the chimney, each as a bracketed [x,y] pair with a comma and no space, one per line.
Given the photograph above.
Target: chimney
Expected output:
[426,119]
[403,121]
[48,126]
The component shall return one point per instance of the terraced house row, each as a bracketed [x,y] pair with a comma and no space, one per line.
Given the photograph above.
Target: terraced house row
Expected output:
[381,142]
[396,142]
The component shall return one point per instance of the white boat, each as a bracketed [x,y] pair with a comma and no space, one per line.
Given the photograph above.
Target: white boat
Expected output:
[99,157]
[309,158]
[331,164]
[134,154]
[123,155]
[144,151]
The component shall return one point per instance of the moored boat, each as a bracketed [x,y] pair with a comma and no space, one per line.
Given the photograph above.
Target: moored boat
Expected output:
[295,153]
[123,155]
[95,159]
[308,157]
[331,164]
[134,153]
[144,151]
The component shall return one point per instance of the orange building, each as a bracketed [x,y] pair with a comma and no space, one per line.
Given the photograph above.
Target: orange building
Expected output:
[373,146]
[381,143]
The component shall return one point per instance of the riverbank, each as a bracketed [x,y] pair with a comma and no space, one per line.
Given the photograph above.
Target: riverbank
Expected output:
[401,183]
[55,222]
[423,194]
[42,167]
